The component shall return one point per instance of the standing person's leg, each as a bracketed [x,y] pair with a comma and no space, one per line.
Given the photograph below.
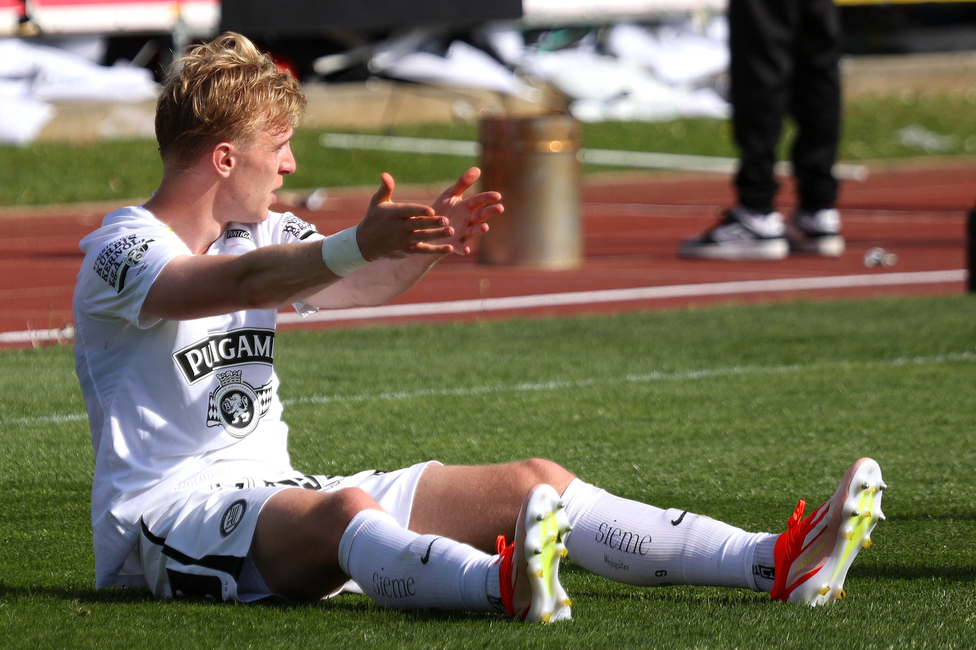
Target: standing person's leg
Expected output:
[816,103]
[816,106]
[761,34]
[760,42]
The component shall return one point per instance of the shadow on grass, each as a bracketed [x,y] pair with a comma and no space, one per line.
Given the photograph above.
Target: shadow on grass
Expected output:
[349,603]
[109,596]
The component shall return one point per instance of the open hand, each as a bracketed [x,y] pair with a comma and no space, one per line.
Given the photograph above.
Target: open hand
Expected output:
[397,230]
[466,217]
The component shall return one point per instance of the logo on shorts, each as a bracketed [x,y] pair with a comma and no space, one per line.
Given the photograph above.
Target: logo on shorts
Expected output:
[232,517]
[236,405]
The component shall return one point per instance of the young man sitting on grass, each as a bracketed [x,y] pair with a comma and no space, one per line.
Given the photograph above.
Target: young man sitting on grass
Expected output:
[194,492]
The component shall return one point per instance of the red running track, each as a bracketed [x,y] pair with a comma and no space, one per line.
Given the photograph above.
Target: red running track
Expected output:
[632,227]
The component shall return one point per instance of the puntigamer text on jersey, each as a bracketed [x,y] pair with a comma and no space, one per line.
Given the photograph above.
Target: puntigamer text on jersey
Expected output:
[248,345]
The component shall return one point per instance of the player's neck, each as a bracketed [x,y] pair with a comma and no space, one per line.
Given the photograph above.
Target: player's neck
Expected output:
[189,212]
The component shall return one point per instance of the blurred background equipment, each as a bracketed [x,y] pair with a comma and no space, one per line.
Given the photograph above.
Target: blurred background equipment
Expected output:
[445,60]
[533,162]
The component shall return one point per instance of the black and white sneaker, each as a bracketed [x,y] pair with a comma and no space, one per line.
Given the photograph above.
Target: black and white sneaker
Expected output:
[816,232]
[743,234]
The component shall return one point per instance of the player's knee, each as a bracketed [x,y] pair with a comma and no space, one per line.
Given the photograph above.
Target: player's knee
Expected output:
[347,503]
[541,470]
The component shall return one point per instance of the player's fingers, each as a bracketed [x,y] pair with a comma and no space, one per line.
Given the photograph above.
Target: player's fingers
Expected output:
[482,199]
[418,223]
[470,234]
[431,234]
[434,249]
[385,193]
[464,181]
[484,214]
[474,232]
[410,211]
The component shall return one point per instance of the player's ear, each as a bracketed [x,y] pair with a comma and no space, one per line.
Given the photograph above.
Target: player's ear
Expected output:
[223,158]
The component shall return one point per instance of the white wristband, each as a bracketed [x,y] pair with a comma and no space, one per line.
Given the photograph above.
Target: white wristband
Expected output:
[341,253]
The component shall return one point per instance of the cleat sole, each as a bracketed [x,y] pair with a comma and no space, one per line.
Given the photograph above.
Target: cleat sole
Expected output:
[544,549]
[826,583]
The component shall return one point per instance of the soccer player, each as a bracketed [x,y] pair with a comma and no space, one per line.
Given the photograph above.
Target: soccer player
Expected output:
[193,490]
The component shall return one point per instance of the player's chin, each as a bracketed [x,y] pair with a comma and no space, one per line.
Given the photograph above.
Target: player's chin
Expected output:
[258,216]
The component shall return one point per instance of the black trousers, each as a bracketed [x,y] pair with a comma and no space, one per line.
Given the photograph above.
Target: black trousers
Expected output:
[785,62]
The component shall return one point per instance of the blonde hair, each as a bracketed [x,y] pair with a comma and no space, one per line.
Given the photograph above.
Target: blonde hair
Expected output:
[223,91]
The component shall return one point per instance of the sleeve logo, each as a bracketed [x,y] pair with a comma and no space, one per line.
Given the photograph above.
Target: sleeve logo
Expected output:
[118,257]
[297,228]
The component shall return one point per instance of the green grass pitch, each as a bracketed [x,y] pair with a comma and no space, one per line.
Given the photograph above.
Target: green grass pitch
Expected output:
[734,412]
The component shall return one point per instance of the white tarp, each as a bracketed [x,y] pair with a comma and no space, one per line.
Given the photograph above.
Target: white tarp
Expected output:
[634,72]
[33,75]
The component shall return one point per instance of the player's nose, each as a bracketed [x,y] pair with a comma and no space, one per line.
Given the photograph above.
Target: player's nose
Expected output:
[287,164]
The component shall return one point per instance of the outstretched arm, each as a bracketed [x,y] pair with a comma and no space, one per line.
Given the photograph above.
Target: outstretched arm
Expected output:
[196,286]
[402,240]
[389,277]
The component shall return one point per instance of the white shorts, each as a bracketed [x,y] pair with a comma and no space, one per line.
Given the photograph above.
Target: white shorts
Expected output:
[197,544]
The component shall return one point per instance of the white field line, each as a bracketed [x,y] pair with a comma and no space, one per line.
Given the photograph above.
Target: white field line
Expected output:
[549,300]
[571,298]
[612,157]
[556,385]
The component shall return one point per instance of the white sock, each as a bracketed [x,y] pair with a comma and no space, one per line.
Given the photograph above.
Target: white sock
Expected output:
[634,543]
[764,563]
[401,569]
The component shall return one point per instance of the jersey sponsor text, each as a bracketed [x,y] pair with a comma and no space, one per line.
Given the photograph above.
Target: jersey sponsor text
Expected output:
[249,345]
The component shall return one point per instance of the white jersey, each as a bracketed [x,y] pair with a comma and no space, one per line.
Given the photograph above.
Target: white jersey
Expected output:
[171,404]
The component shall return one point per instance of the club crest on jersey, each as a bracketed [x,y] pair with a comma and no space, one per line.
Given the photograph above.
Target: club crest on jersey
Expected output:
[113,264]
[236,405]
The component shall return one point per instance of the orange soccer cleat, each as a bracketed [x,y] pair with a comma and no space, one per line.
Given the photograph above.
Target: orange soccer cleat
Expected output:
[813,555]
